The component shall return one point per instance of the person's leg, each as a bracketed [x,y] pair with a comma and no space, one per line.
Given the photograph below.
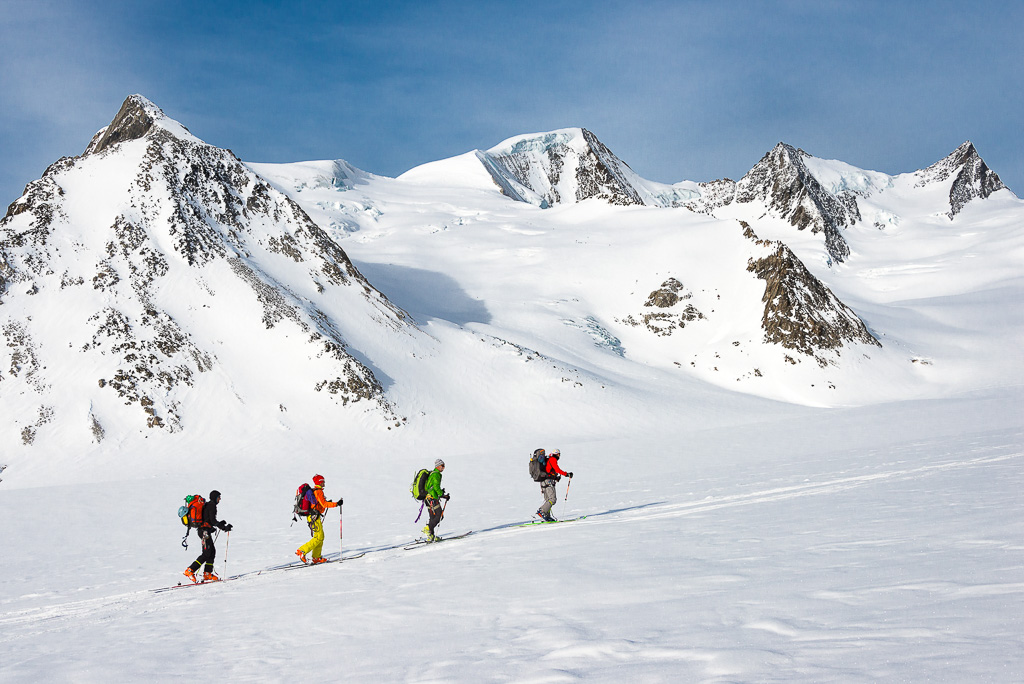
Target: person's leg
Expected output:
[434,507]
[550,497]
[318,539]
[211,551]
[315,525]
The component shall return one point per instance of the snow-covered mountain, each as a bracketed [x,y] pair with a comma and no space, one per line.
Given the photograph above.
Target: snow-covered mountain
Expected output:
[155,268]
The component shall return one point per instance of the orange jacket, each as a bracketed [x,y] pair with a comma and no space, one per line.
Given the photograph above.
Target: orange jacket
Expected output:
[320,503]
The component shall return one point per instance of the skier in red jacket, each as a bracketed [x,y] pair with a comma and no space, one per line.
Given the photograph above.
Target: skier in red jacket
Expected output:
[547,485]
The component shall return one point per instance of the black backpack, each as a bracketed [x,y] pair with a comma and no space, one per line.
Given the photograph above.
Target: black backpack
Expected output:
[538,465]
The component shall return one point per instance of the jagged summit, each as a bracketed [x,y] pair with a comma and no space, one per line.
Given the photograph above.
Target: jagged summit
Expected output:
[137,117]
[974,179]
[784,184]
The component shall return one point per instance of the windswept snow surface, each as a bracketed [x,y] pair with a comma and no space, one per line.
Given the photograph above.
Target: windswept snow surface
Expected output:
[751,516]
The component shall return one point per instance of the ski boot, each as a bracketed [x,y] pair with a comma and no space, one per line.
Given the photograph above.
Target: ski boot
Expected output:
[317,561]
[210,577]
[191,575]
[302,556]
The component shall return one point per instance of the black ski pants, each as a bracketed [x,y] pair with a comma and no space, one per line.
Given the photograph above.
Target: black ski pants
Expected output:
[209,551]
[434,509]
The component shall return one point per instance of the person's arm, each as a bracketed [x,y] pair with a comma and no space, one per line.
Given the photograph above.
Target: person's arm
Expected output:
[322,499]
[553,463]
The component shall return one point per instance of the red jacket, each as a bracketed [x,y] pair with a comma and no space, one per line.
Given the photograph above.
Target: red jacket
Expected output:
[552,467]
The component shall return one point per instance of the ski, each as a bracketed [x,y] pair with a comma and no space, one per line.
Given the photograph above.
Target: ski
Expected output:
[185,585]
[293,566]
[420,543]
[551,522]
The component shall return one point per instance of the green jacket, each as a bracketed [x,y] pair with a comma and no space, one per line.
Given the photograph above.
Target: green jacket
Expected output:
[434,490]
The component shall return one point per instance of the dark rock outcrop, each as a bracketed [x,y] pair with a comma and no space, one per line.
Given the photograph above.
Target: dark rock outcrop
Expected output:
[801,313]
[134,120]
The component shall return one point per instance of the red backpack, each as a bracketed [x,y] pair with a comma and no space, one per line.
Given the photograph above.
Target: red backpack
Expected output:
[303,501]
[191,515]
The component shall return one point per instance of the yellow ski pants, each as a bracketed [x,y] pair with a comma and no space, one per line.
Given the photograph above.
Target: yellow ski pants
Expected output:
[315,546]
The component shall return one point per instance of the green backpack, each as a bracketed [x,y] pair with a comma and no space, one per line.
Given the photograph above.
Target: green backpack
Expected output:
[419,485]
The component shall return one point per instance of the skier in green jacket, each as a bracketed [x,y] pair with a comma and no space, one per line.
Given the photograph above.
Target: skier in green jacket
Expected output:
[434,496]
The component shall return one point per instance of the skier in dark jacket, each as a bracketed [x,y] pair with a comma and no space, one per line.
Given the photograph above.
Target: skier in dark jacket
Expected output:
[206,533]
[547,485]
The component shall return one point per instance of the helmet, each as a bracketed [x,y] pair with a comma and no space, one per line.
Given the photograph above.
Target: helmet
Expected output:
[556,452]
[439,463]
[318,480]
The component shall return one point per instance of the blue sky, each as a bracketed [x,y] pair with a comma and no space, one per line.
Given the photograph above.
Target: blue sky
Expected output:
[679,90]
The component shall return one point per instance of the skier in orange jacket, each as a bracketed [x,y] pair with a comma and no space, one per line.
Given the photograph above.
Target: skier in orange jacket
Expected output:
[315,546]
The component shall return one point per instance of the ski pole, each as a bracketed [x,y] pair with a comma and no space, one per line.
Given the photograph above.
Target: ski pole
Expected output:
[227,545]
[341,532]
[566,498]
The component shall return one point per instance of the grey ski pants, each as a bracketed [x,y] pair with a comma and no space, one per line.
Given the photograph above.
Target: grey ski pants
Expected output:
[547,488]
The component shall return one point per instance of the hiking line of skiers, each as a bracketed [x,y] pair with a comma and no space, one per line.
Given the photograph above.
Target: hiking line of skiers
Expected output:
[312,504]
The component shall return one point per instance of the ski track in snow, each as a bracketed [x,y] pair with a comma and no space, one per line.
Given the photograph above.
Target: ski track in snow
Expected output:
[544,640]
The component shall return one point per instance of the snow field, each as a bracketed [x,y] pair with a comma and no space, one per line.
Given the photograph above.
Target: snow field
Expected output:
[723,554]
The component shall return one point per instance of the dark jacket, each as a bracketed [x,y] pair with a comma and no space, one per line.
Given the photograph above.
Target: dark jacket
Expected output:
[210,515]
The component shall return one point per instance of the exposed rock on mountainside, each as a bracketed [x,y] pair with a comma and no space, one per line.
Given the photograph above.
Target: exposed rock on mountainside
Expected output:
[800,312]
[671,310]
[560,167]
[974,179]
[186,223]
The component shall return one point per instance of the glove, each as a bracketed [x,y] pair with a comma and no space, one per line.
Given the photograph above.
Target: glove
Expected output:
[570,474]
[340,501]
[227,527]
[446,496]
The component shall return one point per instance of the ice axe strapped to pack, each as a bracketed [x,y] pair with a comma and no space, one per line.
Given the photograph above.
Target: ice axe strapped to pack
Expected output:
[191,514]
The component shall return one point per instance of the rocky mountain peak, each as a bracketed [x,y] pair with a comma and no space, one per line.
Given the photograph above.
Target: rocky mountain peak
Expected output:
[134,120]
[789,190]
[973,178]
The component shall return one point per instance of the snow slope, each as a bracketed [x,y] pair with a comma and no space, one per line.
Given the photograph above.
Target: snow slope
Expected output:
[742,554]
